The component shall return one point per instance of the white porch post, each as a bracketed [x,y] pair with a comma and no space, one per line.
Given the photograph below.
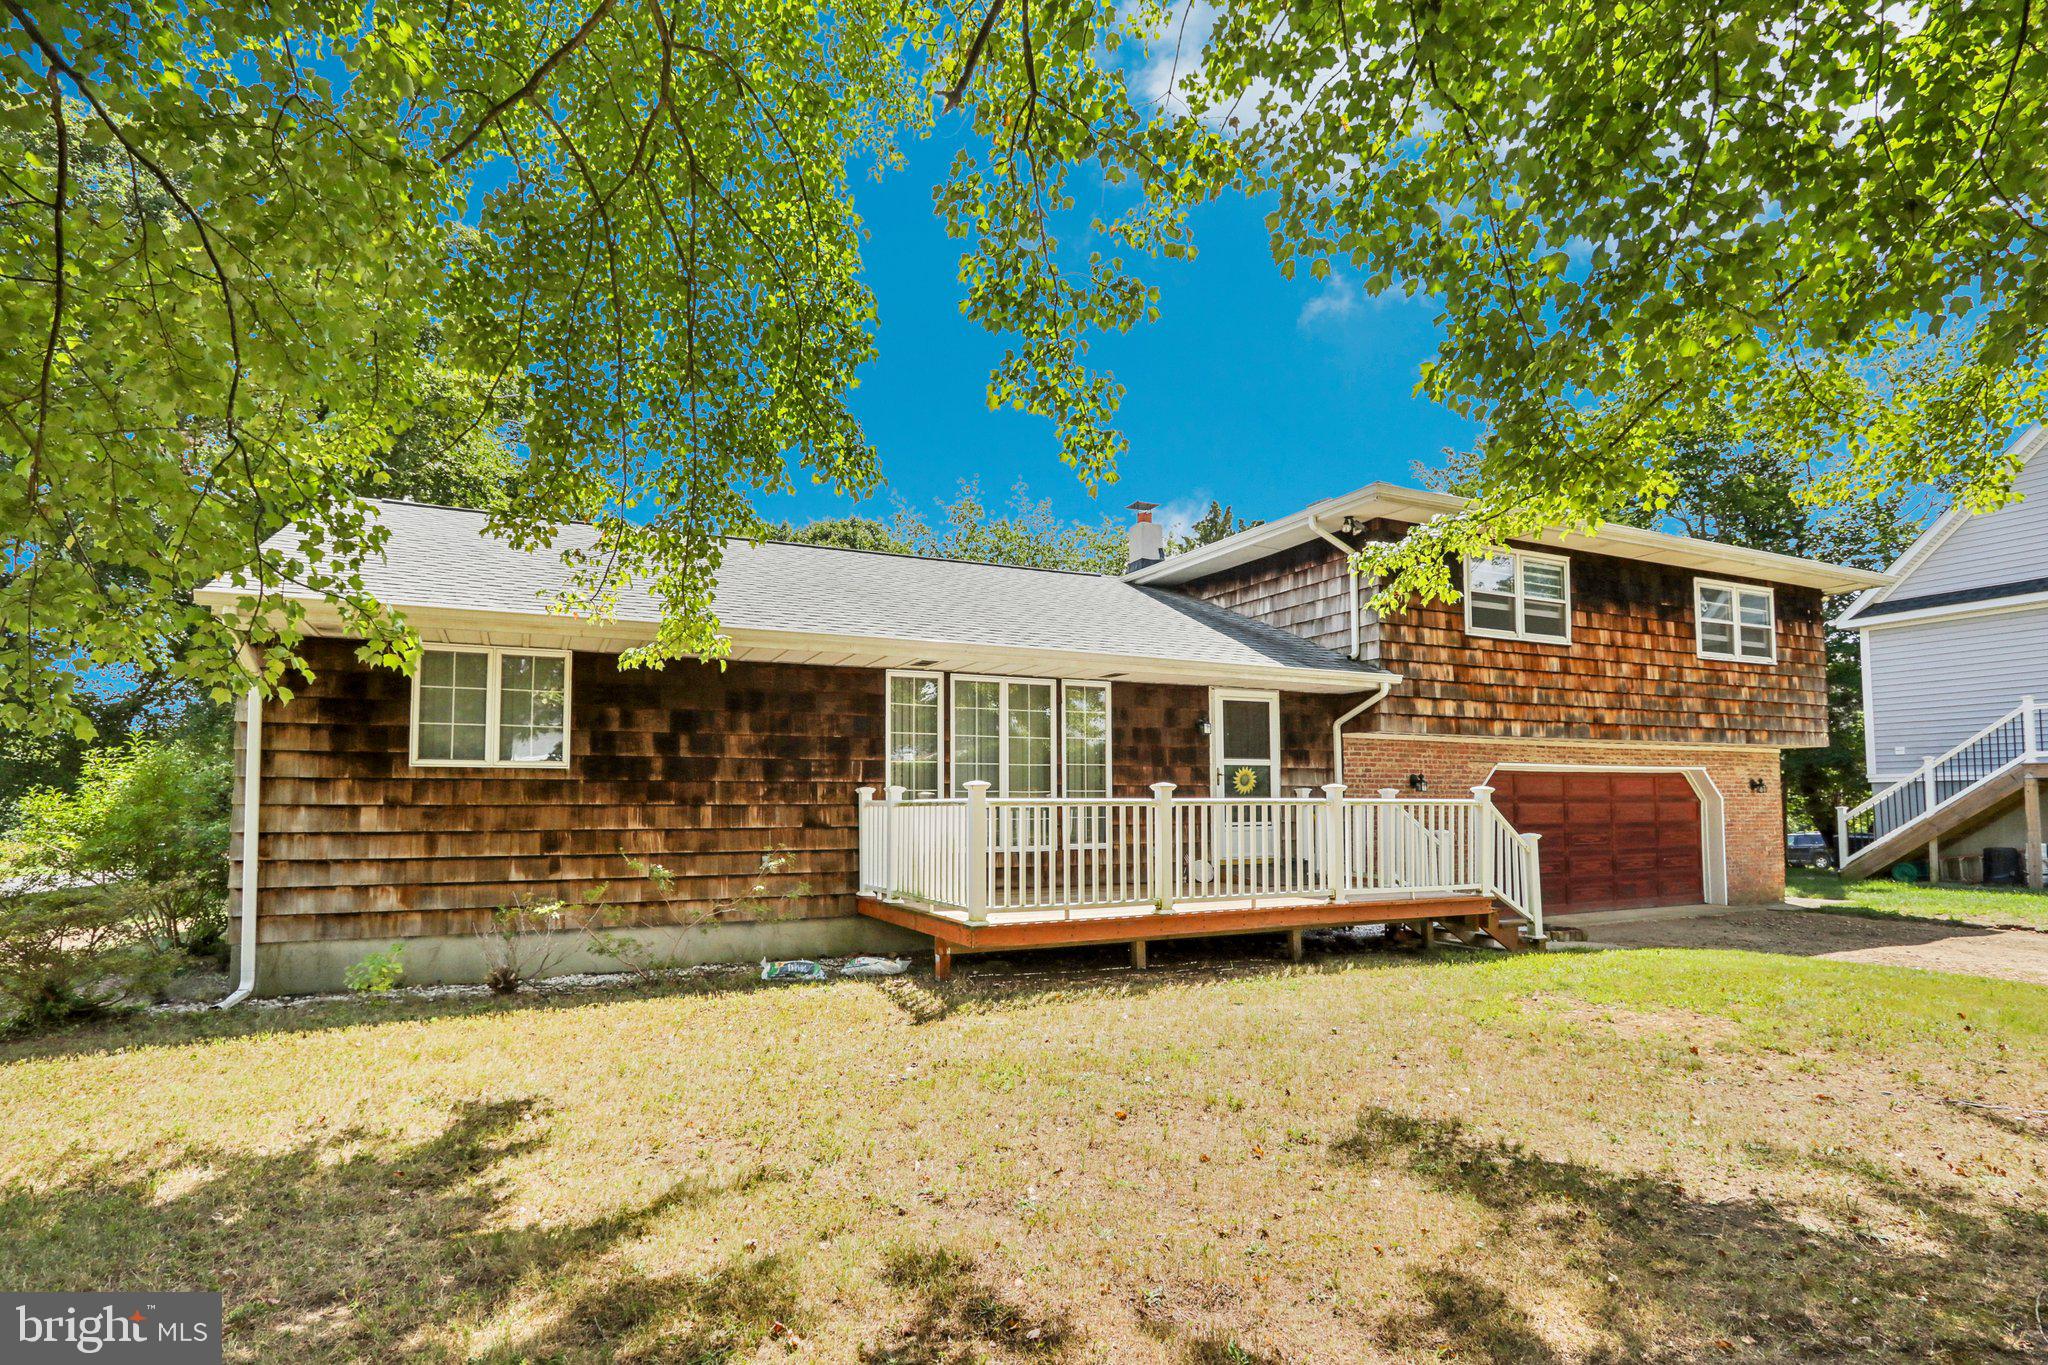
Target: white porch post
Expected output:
[1383,835]
[2030,718]
[1163,861]
[1336,848]
[1535,882]
[867,833]
[892,796]
[1482,837]
[1841,836]
[1927,781]
[977,853]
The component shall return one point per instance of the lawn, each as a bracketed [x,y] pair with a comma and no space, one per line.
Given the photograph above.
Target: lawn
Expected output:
[2006,907]
[1573,1156]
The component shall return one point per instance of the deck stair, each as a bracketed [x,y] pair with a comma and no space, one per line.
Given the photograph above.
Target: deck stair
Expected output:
[1948,792]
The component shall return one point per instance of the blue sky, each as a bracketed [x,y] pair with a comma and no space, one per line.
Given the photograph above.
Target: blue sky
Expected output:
[1264,393]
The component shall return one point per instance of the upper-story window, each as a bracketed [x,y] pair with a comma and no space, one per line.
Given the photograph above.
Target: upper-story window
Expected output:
[1735,621]
[491,707]
[1520,595]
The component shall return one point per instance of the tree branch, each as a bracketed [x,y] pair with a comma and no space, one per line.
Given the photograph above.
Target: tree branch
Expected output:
[988,23]
[169,187]
[525,91]
[57,271]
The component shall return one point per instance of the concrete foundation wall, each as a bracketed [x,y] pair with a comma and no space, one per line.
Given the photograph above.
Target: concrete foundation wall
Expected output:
[312,967]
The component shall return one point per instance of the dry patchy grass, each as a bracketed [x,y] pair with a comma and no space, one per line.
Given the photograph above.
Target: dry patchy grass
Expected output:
[1573,1157]
[1997,906]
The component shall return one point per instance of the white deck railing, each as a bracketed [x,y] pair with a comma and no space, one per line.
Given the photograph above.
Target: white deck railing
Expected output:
[2019,736]
[980,855]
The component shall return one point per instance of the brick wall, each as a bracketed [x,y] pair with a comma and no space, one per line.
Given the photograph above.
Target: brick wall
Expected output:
[1755,820]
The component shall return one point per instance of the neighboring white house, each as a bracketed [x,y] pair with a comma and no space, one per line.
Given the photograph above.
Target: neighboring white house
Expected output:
[1952,647]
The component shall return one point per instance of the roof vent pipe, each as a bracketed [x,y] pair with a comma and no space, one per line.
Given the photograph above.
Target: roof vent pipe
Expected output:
[1148,537]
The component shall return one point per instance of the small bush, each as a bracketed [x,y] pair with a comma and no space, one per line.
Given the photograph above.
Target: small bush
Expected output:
[383,970]
[152,819]
[523,942]
[68,951]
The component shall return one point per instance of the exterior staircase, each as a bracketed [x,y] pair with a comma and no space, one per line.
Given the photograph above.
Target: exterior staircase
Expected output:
[1976,777]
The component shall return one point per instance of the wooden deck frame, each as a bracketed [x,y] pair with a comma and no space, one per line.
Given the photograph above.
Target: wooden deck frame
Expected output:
[952,936]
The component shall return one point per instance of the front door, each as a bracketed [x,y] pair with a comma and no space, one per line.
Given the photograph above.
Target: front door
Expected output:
[1244,741]
[1245,744]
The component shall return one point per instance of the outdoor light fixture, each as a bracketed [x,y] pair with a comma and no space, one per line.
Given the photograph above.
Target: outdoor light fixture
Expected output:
[1757,784]
[1417,782]
[1202,726]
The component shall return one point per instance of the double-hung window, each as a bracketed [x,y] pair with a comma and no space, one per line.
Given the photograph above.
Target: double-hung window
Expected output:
[1520,595]
[491,708]
[1735,621]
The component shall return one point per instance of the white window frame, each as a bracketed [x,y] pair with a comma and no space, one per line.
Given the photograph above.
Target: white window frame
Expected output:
[1520,558]
[493,690]
[949,749]
[1002,785]
[1735,591]
[1108,690]
[945,710]
[1087,828]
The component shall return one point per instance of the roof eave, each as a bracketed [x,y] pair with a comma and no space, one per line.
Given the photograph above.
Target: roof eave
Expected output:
[1415,504]
[469,626]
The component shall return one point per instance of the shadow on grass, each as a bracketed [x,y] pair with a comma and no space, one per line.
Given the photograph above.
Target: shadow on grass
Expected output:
[338,1249]
[1025,980]
[959,1315]
[121,1032]
[1673,1274]
[1003,980]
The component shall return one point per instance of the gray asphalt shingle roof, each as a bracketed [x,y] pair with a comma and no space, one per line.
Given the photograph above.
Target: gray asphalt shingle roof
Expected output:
[439,557]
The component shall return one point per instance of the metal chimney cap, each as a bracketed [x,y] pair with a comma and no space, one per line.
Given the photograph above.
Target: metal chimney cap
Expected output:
[1143,509]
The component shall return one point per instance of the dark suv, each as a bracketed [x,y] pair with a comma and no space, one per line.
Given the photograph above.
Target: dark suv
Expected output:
[1808,850]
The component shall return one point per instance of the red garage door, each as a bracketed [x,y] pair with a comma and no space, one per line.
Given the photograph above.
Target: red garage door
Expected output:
[1610,839]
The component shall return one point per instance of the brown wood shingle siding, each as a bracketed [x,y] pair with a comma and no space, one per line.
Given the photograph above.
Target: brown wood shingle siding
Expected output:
[703,771]
[1305,590]
[1631,672]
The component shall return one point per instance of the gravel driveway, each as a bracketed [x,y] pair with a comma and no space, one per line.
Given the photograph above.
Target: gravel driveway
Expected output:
[2015,954]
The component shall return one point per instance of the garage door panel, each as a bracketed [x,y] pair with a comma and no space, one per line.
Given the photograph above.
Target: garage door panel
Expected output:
[1610,839]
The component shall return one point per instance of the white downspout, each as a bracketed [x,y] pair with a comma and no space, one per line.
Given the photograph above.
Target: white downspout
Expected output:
[252,806]
[1317,527]
[1337,727]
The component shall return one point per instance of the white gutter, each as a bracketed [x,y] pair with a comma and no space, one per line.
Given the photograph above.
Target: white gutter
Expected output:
[252,806]
[1337,727]
[1315,524]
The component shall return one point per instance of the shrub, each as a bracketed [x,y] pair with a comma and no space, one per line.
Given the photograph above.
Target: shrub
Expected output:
[152,818]
[68,951]
[380,971]
[523,942]
[762,900]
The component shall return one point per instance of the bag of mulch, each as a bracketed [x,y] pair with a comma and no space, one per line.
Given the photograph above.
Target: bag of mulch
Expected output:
[799,969]
[876,966]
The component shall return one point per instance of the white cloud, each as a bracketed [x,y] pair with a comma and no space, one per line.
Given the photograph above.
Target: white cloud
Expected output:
[1337,300]
[1180,515]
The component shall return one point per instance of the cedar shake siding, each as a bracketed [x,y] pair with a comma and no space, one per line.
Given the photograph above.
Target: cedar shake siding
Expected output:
[707,772]
[1305,591]
[1631,672]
